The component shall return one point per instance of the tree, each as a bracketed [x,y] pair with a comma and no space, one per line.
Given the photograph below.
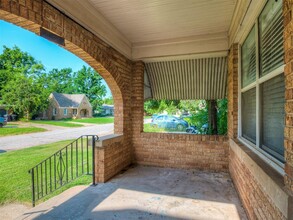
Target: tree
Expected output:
[61,81]
[26,96]
[109,101]
[21,82]
[87,81]
[14,62]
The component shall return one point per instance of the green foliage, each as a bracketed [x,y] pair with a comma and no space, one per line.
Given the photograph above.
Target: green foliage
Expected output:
[14,62]
[22,80]
[156,107]
[16,182]
[25,95]
[6,131]
[60,81]
[108,101]
[222,116]
[198,110]
[25,86]
[87,81]
[57,123]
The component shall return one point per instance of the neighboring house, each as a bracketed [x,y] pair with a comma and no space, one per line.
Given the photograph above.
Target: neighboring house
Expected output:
[107,109]
[68,106]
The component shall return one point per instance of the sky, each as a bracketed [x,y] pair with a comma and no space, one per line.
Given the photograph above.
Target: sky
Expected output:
[51,55]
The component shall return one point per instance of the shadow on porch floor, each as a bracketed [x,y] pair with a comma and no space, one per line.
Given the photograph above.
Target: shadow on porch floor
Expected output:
[148,193]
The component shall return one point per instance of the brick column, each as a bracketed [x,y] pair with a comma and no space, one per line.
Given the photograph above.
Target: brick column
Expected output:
[288,47]
[233,91]
[137,101]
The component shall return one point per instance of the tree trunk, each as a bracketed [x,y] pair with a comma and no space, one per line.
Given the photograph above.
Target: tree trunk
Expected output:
[212,108]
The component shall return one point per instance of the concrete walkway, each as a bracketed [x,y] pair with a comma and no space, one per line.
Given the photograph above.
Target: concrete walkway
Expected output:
[16,142]
[147,193]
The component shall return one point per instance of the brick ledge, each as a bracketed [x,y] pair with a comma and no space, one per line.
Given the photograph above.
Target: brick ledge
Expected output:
[107,140]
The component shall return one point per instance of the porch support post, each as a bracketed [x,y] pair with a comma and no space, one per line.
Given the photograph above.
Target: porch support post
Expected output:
[137,100]
[233,91]
[288,47]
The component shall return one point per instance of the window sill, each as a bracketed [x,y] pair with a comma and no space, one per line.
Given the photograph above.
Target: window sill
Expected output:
[266,162]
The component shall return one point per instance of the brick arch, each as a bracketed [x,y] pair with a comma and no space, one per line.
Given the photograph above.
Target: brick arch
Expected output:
[111,65]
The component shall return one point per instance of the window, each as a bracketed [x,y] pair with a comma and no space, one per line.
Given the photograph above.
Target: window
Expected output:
[54,111]
[74,111]
[65,111]
[263,86]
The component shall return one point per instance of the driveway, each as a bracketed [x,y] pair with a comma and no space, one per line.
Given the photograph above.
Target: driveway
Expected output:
[34,139]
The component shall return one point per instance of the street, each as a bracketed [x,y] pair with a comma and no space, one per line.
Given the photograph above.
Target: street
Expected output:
[34,139]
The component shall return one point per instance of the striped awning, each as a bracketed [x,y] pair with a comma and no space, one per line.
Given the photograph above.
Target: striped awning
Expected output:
[204,78]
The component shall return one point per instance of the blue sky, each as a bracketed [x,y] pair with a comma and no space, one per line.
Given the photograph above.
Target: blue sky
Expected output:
[50,54]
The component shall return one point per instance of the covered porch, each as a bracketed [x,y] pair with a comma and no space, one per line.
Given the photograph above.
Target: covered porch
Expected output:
[239,50]
[148,193]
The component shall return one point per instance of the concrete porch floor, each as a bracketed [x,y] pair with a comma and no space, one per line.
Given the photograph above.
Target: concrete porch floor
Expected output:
[148,193]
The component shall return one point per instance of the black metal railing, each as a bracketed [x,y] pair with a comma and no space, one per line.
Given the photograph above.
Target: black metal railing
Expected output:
[71,162]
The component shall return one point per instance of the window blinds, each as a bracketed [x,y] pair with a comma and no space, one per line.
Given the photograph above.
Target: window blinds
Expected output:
[271,37]
[273,101]
[249,115]
[248,59]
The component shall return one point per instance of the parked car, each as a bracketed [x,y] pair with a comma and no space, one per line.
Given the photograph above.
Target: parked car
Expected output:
[192,130]
[3,121]
[169,122]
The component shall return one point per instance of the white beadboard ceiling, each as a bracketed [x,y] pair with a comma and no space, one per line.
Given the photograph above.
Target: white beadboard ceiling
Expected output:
[151,20]
[144,29]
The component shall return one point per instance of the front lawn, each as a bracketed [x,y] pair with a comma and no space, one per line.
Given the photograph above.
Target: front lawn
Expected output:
[6,131]
[14,177]
[56,123]
[97,120]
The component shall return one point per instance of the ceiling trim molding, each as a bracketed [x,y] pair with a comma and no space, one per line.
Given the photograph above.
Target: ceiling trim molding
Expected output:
[243,19]
[187,57]
[95,22]
[203,44]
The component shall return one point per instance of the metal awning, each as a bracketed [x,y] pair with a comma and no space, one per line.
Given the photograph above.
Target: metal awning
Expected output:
[204,78]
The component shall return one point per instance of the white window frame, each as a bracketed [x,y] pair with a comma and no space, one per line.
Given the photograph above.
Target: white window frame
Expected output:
[65,111]
[275,163]
[54,111]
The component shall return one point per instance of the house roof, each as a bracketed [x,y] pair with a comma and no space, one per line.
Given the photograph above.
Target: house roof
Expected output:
[105,106]
[68,100]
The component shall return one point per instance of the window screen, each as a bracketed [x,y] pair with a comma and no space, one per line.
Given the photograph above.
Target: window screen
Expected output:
[248,59]
[249,115]
[273,101]
[271,37]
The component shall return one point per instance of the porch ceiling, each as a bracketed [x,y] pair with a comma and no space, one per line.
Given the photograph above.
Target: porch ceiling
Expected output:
[155,28]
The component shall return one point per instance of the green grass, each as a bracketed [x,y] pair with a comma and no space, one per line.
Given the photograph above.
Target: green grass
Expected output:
[17,131]
[14,177]
[97,120]
[56,123]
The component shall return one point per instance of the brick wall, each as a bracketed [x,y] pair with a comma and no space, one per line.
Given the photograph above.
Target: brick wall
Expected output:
[257,204]
[233,91]
[111,156]
[288,44]
[250,180]
[202,152]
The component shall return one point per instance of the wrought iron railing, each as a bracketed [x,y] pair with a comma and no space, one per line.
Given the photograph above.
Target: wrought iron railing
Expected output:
[71,162]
